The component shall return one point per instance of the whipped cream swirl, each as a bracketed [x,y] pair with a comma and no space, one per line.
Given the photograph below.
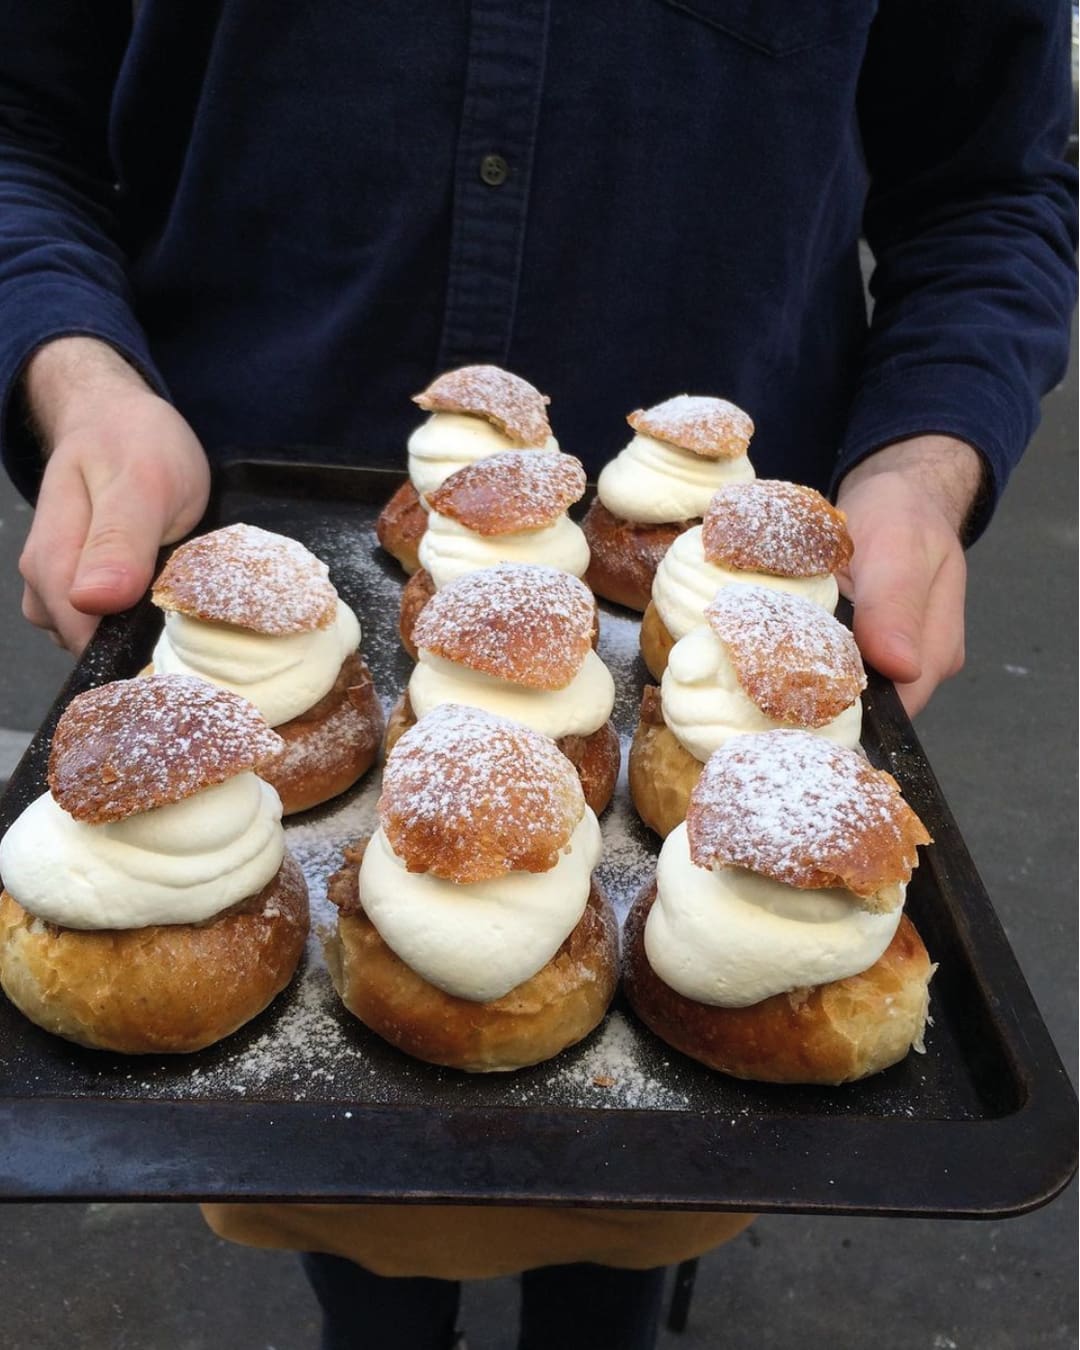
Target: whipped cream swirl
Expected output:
[730,938]
[180,863]
[478,942]
[282,675]
[704,704]
[686,581]
[448,550]
[652,482]
[448,441]
[579,709]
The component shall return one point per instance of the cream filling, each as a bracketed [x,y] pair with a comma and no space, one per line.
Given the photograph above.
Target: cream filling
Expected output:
[730,937]
[448,441]
[180,863]
[448,550]
[704,704]
[653,482]
[478,942]
[686,581]
[282,675]
[579,709]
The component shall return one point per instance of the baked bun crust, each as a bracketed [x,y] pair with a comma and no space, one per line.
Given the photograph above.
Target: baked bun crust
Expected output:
[662,772]
[595,757]
[555,1008]
[114,750]
[792,659]
[834,1033]
[710,427]
[776,527]
[400,526]
[843,823]
[505,400]
[167,989]
[521,622]
[511,491]
[656,642]
[249,578]
[468,796]
[623,556]
[331,745]
[419,589]
[415,594]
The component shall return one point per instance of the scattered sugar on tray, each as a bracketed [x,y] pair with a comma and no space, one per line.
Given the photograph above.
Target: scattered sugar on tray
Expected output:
[611,1071]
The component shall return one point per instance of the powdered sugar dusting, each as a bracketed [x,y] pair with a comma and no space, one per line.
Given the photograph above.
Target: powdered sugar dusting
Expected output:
[803,811]
[251,578]
[794,660]
[470,796]
[771,526]
[511,491]
[711,427]
[134,745]
[507,401]
[521,622]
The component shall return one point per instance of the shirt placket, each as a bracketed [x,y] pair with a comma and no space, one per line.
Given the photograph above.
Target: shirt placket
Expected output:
[493,168]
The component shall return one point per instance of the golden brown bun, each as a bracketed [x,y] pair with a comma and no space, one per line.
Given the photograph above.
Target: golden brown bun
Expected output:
[506,401]
[249,578]
[843,823]
[557,1007]
[417,591]
[623,556]
[332,745]
[768,525]
[511,491]
[834,1033]
[167,989]
[792,659]
[114,751]
[520,622]
[663,773]
[595,757]
[401,525]
[656,642]
[469,796]
[415,594]
[710,427]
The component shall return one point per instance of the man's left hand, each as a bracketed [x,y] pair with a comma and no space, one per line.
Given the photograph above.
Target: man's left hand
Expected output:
[906,507]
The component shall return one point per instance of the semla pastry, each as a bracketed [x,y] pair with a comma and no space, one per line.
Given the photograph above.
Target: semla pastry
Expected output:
[510,507]
[683,450]
[475,411]
[762,660]
[517,640]
[150,905]
[773,943]
[768,532]
[471,931]
[256,612]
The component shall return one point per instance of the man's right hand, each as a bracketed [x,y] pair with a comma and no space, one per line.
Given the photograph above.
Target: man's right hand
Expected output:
[125,474]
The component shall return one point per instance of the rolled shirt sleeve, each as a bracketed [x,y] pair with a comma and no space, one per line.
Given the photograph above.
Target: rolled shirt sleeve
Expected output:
[965,110]
[61,270]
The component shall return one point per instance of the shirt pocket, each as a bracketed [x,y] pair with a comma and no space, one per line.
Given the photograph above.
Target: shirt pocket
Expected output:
[781,27]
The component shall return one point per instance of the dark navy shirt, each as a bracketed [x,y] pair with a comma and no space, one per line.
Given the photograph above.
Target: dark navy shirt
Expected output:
[291,216]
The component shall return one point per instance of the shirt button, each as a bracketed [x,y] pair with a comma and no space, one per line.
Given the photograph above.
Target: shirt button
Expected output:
[494,170]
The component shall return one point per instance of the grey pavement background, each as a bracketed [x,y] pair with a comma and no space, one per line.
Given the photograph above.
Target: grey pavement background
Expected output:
[1002,739]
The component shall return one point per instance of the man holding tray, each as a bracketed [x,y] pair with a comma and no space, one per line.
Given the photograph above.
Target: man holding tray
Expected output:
[237,224]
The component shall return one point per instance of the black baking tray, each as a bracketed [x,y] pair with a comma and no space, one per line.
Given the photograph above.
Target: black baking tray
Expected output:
[982,1125]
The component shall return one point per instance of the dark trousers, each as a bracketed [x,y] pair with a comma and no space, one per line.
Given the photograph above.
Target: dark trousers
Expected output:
[580,1307]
